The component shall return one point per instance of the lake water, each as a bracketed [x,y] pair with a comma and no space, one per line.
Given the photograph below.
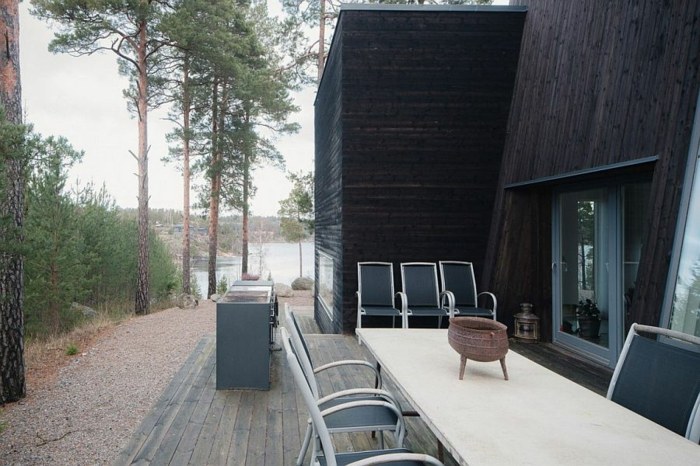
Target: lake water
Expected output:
[279,260]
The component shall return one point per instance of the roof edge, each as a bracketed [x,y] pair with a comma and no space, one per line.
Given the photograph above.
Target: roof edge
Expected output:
[439,8]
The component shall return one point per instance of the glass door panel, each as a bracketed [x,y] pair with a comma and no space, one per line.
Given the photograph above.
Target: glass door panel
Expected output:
[583,265]
[597,244]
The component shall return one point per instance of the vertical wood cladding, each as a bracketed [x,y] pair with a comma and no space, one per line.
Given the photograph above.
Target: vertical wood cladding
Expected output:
[598,83]
[411,116]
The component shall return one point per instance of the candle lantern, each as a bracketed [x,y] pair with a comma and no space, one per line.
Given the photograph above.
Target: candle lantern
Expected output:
[527,324]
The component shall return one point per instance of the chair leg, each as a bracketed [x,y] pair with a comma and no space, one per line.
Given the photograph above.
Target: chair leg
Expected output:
[304,445]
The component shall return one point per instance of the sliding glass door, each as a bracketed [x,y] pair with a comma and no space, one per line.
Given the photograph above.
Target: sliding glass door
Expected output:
[596,246]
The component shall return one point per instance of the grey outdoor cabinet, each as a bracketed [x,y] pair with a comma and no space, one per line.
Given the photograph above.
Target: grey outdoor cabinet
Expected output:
[245,319]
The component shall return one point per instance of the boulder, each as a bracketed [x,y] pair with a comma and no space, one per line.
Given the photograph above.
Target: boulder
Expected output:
[86,311]
[284,291]
[303,283]
[215,297]
[187,301]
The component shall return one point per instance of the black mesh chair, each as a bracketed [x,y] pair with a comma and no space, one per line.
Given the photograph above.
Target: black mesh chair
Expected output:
[458,278]
[660,380]
[324,451]
[363,414]
[375,293]
[420,286]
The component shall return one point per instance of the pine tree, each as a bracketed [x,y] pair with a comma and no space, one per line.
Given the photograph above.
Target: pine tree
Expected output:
[12,179]
[297,211]
[128,29]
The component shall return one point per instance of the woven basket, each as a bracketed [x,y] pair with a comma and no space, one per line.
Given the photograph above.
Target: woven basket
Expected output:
[478,339]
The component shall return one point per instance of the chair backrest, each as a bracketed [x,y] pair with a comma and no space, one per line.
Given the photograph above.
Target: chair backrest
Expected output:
[375,282]
[302,350]
[660,381]
[419,282]
[458,277]
[309,399]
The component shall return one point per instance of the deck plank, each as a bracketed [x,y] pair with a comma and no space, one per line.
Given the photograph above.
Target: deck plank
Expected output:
[241,430]
[221,445]
[202,449]
[190,434]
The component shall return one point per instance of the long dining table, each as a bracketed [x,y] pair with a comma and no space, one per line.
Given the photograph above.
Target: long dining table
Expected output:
[536,417]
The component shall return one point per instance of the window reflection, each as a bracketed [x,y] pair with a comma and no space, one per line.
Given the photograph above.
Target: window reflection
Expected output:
[685,314]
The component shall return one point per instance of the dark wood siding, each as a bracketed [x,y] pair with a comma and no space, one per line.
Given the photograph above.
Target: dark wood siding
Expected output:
[598,83]
[425,97]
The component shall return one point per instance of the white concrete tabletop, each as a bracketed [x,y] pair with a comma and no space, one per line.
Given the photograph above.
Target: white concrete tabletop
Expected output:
[537,417]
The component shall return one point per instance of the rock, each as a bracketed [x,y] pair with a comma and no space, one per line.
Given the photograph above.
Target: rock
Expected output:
[303,283]
[215,297]
[187,301]
[284,291]
[87,312]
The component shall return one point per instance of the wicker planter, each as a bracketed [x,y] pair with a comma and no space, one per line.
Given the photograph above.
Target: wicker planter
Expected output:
[478,339]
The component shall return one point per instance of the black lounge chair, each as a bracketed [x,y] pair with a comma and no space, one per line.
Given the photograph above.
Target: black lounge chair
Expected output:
[458,278]
[375,293]
[324,453]
[357,417]
[660,379]
[420,286]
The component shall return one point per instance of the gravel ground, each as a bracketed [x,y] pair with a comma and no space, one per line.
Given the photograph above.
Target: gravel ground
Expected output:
[89,413]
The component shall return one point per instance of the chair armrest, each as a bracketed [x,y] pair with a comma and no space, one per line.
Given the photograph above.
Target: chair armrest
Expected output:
[397,457]
[361,391]
[351,362]
[362,403]
[450,302]
[405,311]
[494,302]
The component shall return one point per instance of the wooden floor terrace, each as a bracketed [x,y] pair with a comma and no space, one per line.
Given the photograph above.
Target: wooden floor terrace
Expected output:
[194,424]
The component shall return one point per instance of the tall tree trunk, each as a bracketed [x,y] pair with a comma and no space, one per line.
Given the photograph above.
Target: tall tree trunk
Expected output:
[186,285]
[12,380]
[215,175]
[246,212]
[321,40]
[142,300]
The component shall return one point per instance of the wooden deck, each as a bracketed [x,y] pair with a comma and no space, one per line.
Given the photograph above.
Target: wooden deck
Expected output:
[193,423]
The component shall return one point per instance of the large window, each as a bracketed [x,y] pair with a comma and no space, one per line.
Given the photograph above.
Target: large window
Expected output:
[325,282]
[685,304]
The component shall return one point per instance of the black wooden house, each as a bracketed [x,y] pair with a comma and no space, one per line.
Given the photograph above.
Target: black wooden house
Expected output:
[410,126]
[551,143]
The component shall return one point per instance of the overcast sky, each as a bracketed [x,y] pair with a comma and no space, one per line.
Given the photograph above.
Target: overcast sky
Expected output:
[80,98]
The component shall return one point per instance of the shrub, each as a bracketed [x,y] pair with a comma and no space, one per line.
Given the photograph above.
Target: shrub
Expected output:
[71,350]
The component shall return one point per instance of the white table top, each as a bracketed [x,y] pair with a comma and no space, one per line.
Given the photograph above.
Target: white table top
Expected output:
[537,417]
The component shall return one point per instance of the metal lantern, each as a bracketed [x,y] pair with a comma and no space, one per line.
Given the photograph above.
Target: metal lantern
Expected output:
[527,324]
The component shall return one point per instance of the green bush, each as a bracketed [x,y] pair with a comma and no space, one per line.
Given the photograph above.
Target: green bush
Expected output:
[71,350]
[222,286]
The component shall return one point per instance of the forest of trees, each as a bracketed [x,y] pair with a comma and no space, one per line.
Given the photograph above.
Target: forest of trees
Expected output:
[79,247]
[224,68]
